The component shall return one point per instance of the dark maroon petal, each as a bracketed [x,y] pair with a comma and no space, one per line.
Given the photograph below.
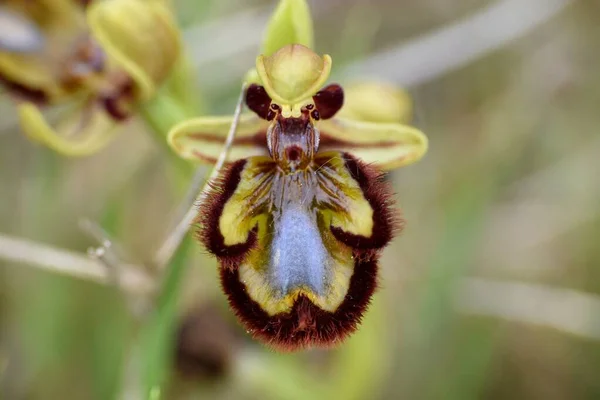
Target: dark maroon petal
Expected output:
[305,325]
[378,192]
[209,214]
[258,100]
[329,101]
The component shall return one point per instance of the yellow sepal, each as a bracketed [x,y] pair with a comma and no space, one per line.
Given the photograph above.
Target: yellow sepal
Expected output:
[293,74]
[91,135]
[202,139]
[387,145]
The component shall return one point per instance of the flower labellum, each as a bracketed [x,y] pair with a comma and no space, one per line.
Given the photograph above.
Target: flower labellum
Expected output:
[298,224]
[298,235]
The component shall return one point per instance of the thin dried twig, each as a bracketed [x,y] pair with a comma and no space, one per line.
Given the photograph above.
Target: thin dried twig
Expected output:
[22,251]
[105,252]
[174,239]
[196,184]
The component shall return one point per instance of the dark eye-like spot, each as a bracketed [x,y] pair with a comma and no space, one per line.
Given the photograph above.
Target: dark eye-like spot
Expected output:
[258,100]
[315,115]
[329,100]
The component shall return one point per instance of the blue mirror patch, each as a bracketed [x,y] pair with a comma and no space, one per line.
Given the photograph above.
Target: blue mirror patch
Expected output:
[298,256]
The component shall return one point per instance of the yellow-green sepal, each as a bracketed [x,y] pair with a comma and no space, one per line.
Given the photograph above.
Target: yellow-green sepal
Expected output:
[202,139]
[387,145]
[292,74]
[291,23]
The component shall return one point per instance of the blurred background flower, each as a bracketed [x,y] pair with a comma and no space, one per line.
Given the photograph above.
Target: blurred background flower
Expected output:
[206,344]
[104,59]
[491,291]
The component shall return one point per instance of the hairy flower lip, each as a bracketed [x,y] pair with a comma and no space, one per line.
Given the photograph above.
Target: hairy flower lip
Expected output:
[306,325]
[308,322]
[296,220]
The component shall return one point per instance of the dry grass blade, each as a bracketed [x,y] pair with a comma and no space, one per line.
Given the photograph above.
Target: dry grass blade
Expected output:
[22,251]
[566,310]
[453,46]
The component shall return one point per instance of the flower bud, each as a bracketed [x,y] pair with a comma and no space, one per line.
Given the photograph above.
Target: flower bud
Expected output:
[140,36]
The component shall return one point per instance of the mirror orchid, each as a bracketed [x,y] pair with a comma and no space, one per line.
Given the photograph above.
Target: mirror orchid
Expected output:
[301,213]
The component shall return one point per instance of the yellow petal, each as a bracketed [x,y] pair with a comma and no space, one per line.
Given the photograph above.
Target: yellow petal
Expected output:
[91,129]
[376,102]
[140,36]
[30,72]
[293,74]
[387,145]
[202,139]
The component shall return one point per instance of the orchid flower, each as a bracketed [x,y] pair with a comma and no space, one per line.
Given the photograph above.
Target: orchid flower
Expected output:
[301,213]
[105,58]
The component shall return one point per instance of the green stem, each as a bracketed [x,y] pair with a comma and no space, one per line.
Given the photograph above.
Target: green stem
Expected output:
[160,114]
[173,104]
[158,336]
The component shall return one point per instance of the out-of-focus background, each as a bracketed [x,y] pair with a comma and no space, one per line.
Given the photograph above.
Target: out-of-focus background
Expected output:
[491,292]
